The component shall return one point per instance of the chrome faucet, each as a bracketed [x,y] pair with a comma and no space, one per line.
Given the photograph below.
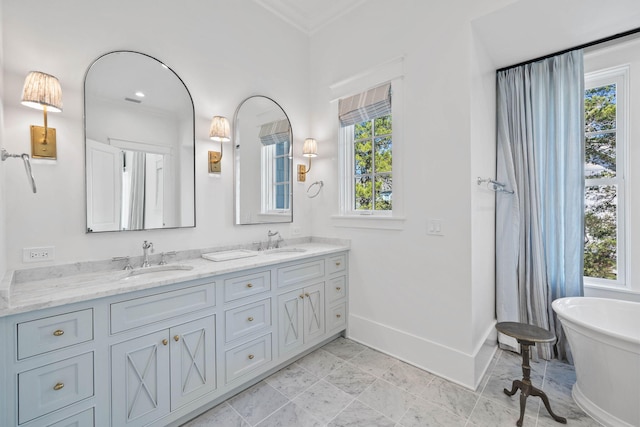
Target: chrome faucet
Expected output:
[145,249]
[277,242]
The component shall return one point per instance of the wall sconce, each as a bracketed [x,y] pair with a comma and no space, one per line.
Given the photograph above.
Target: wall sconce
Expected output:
[219,131]
[310,150]
[42,91]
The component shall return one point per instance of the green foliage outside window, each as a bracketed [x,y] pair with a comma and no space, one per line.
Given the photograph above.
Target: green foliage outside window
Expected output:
[600,234]
[372,153]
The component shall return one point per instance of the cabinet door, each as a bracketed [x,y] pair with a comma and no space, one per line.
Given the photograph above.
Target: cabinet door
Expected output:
[290,321]
[313,312]
[140,380]
[193,360]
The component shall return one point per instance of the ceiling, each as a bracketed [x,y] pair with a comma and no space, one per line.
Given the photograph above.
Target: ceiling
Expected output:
[309,15]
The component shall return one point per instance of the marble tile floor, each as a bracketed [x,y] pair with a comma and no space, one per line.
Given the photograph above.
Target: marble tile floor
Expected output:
[348,384]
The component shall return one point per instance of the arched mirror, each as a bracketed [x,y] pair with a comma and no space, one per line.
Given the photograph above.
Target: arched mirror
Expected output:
[139,147]
[263,162]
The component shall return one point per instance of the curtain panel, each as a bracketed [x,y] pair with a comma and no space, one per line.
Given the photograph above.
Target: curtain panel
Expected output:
[539,233]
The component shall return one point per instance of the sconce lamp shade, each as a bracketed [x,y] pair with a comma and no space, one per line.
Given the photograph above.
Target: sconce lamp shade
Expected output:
[42,91]
[220,129]
[310,148]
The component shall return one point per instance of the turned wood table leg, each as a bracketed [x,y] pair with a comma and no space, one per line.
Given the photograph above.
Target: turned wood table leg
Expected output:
[527,336]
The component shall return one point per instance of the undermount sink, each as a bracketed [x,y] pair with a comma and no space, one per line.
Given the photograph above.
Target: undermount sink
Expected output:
[284,250]
[146,271]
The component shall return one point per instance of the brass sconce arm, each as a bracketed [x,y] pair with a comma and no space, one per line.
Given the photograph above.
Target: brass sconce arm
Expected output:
[310,150]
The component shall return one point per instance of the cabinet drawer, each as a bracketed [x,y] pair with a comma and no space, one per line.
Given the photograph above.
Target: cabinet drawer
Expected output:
[143,311]
[54,386]
[336,263]
[52,333]
[300,273]
[243,286]
[337,317]
[247,357]
[336,289]
[83,419]
[247,319]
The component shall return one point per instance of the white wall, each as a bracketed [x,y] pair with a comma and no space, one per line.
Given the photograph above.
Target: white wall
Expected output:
[430,300]
[412,294]
[3,224]
[223,50]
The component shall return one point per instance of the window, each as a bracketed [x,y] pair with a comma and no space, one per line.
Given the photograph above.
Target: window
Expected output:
[605,148]
[275,138]
[367,145]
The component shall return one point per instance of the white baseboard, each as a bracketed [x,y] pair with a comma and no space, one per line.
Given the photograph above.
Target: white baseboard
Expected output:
[456,366]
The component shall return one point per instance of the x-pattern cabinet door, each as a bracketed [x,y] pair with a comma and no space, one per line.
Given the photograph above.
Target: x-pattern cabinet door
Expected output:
[300,317]
[140,385]
[162,371]
[313,311]
[290,320]
[193,360]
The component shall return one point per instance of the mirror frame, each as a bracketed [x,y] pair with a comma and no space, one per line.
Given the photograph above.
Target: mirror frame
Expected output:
[193,133]
[236,169]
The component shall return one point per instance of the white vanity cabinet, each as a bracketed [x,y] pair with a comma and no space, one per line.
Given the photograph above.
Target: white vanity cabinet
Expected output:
[49,363]
[336,293]
[168,362]
[161,355]
[300,317]
[159,372]
[248,313]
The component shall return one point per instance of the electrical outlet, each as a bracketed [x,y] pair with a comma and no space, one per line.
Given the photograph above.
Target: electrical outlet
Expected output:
[47,253]
[296,230]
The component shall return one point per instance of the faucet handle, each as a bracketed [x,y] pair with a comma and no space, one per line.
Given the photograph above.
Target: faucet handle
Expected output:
[163,254]
[147,245]
[123,258]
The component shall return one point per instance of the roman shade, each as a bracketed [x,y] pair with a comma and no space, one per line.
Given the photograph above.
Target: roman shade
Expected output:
[275,132]
[365,106]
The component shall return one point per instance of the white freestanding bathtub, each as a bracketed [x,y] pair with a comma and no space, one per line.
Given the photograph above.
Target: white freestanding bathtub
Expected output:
[604,336]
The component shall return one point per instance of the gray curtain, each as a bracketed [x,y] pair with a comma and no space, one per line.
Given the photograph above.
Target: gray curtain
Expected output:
[539,233]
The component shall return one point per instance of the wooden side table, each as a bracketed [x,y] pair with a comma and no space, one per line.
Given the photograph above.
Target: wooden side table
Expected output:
[527,335]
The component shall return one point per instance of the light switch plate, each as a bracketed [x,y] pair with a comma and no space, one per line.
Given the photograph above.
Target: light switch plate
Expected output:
[434,227]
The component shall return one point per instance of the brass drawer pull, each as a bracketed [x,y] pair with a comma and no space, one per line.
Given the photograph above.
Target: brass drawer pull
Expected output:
[338,288]
[337,263]
[165,341]
[176,338]
[58,386]
[251,356]
[338,316]
[306,295]
[250,319]
[249,285]
[301,296]
[58,332]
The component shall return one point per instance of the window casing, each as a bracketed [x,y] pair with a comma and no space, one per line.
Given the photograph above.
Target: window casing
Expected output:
[276,178]
[366,148]
[369,147]
[606,147]
[392,72]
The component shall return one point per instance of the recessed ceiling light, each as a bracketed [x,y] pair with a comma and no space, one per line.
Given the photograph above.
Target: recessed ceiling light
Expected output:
[139,94]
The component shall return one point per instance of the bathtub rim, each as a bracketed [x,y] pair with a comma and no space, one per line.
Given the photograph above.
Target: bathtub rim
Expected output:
[611,337]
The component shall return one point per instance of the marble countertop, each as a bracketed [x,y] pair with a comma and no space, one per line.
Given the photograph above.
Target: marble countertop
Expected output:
[31,289]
